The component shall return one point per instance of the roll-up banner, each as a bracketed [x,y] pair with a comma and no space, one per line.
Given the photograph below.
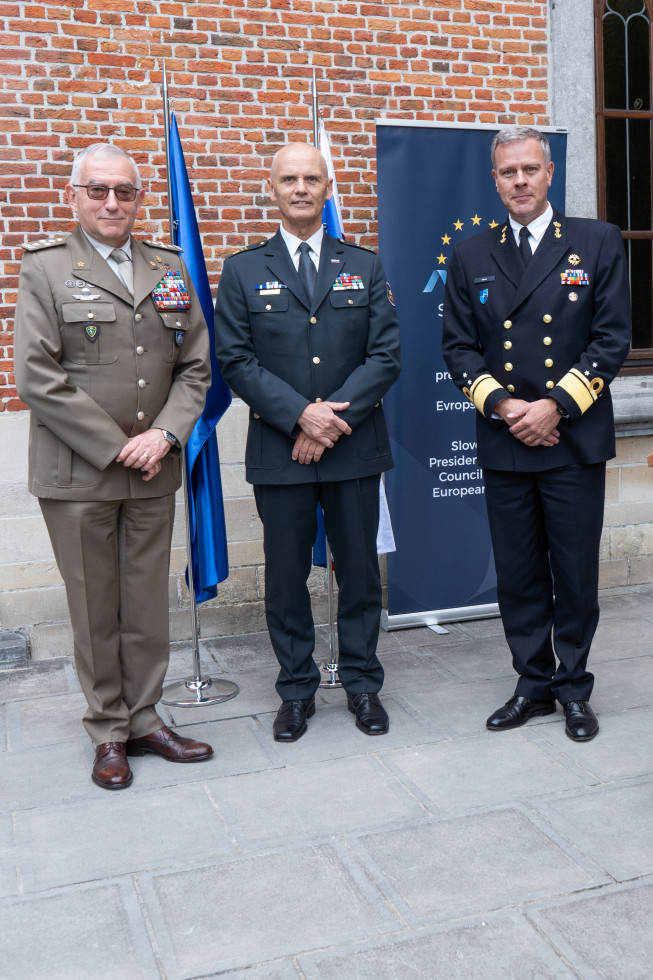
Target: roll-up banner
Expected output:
[434,190]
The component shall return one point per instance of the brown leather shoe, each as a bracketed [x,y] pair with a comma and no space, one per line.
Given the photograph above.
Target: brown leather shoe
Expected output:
[111,769]
[173,747]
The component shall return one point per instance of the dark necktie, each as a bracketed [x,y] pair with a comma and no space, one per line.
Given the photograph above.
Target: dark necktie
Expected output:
[307,270]
[524,245]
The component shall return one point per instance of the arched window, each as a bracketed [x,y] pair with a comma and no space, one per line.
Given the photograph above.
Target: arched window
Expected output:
[624,128]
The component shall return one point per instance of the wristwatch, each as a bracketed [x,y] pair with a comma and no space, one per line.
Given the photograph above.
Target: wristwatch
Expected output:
[562,412]
[170,437]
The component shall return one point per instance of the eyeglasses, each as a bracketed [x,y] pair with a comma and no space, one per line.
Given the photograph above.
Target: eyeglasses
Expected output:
[100,192]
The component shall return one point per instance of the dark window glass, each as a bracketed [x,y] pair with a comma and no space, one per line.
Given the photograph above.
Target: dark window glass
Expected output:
[639,159]
[640,263]
[616,172]
[639,71]
[614,50]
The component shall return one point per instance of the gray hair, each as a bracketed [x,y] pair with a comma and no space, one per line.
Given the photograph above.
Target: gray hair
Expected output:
[517,134]
[101,150]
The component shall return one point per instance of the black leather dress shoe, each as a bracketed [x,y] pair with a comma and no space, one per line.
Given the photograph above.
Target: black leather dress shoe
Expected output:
[290,723]
[516,712]
[580,721]
[371,716]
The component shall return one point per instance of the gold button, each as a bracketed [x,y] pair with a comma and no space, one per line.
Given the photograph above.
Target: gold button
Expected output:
[141,383]
[508,366]
[313,319]
[351,302]
[510,388]
[377,404]
[139,317]
[268,307]
[550,384]
[140,350]
[140,416]
[318,399]
[548,362]
[507,344]
[256,415]
[316,360]
[547,318]
[90,315]
[507,324]
[547,341]
[177,323]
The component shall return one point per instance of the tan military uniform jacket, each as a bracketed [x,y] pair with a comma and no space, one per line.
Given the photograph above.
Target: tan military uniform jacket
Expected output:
[90,389]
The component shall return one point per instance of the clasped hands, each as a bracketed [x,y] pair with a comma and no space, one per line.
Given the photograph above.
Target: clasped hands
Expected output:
[321,429]
[533,423]
[144,452]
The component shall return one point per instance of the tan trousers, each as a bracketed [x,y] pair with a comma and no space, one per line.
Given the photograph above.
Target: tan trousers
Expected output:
[114,556]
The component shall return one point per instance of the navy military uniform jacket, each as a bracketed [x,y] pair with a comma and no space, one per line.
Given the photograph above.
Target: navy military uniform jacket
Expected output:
[279,352]
[559,328]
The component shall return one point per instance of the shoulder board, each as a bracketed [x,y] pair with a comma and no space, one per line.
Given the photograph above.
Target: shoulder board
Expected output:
[45,243]
[343,241]
[248,248]
[171,248]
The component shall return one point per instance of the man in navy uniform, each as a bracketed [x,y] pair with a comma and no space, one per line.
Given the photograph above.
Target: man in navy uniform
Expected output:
[307,336]
[536,325]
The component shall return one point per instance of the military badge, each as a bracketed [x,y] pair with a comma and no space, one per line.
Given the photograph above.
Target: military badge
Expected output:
[179,337]
[92,331]
[574,259]
[574,277]
[573,297]
[389,292]
[483,296]
[171,293]
[270,288]
[344,281]
[557,226]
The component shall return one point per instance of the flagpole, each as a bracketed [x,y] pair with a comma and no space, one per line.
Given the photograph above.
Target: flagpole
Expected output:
[196,690]
[329,669]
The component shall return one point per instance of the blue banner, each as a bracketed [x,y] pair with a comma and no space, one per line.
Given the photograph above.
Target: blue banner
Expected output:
[208,534]
[434,190]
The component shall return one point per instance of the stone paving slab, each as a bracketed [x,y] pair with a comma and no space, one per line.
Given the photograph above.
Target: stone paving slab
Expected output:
[256,694]
[39,680]
[480,660]
[623,684]
[3,727]
[483,771]
[332,733]
[44,721]
[443,869]
[44,776]
[97,839]
[93,932]
[8,877]
[244,911]
[612,824]
[617,639]
[627,604]
[332,797]
[463,709]
[623,748]
[502,945]
[280,970]
[606,935]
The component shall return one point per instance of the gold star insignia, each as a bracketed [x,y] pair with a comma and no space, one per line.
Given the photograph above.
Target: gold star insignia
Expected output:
[442,259]
[493,223]
[476,220]
[445,239]
[458,225]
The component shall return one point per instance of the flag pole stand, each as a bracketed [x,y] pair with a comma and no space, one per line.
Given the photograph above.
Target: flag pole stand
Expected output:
[197,690]
[329,670]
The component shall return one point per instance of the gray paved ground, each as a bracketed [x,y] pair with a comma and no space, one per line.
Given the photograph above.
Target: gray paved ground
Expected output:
[437,851]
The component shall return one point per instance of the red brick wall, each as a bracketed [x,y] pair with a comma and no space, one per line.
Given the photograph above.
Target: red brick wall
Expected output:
[239,79]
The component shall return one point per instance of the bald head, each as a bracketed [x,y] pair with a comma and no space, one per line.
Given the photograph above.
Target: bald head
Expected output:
[299,186]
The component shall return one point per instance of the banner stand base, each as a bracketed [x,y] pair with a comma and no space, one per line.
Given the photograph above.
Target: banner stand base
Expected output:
[435,617]
[196,691]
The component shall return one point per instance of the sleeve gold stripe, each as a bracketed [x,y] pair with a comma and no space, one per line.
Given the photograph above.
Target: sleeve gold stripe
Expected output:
[579,388]
[484,385]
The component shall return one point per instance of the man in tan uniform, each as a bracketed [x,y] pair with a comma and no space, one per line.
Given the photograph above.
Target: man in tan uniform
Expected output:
[111,355]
